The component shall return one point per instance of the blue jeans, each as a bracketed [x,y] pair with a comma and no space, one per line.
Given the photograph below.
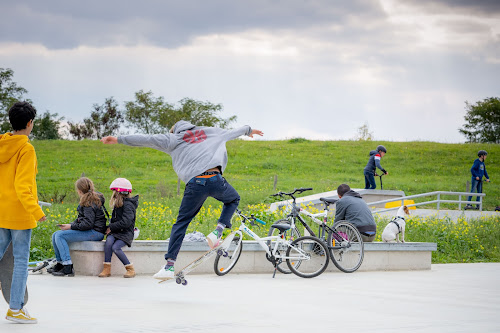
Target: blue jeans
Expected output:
[115,245]
[21,240]
[476,186]
[370,181]
[61,238]
[196,192]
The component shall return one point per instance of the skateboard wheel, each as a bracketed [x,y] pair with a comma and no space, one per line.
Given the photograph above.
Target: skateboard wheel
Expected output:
[184,283]
[178,280]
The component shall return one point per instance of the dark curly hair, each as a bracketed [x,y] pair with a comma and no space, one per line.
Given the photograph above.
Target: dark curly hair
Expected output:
[20,113]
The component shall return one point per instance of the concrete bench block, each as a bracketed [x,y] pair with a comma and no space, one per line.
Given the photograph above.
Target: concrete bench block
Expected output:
[148,257]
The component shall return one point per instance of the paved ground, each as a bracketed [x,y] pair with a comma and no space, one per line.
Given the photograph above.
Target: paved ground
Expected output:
[448,298]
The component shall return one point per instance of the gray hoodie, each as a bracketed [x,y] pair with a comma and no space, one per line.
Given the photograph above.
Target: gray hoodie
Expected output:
[194,149]
[352,208]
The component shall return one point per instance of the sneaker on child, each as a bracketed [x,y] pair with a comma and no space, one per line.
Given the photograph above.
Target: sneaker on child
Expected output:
[165,273]
[20,316]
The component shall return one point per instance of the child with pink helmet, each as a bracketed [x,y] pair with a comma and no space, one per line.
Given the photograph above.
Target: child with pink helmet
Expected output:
[120,231]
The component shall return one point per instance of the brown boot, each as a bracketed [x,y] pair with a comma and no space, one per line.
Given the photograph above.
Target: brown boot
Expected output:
[106,270]
[130,271]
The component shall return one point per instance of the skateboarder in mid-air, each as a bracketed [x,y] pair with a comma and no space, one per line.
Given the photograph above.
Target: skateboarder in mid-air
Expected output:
[19,209]
[199,158]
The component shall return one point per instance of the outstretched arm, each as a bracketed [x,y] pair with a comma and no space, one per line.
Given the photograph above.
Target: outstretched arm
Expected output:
[235,133]
[109,140]
[255,132]
[155,141]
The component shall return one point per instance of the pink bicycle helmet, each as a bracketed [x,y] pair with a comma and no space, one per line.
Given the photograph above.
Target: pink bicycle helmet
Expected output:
[121,185]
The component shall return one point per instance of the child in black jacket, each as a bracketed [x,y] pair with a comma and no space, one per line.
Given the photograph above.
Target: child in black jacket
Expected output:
[120,231]
[90,225]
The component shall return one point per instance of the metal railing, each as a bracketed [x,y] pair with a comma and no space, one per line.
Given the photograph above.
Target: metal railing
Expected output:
[438,201]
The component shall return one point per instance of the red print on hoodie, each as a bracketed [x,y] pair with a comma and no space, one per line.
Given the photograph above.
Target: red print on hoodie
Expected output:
[196,137]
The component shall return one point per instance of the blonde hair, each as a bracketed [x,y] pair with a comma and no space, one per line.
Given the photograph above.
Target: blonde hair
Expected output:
[116,200]
[88,195]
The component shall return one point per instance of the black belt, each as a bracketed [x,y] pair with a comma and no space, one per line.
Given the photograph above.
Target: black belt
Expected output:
[209,173]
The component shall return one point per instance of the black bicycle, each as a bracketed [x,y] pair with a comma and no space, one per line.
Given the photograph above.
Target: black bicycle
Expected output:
[343,240]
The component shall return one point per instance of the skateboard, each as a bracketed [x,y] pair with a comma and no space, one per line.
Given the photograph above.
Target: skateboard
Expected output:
[180,277]
[6,269]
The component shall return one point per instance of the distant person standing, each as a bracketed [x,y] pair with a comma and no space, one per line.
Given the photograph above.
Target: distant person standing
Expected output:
[478,171]
[371,167]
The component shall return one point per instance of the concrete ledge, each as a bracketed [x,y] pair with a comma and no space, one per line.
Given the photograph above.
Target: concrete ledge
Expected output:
[148,257]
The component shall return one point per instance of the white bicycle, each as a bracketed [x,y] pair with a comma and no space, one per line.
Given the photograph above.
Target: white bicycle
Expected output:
[343,240]
[305,256]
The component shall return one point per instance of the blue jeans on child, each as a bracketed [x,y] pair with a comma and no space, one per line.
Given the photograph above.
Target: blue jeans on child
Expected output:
[21,240]
[196,192]
[476,186]
[61,238]
[370,181]
[115,245]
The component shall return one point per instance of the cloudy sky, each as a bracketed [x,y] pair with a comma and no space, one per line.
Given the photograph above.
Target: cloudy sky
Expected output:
[318,69]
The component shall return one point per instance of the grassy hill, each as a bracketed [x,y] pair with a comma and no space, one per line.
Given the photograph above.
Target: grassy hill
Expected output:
[414,167]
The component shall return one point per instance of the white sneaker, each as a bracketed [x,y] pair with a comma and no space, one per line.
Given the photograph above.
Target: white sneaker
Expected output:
[165,274]
[213,239]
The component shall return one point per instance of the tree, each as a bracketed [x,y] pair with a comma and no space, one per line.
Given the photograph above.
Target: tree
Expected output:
[364,133]
[150,115]
[46,127]
[10,93]
[104,120]
[146,111]
[200,113]
[482,121]
[79,131]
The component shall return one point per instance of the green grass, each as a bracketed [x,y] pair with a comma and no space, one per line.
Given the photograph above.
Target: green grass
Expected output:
[414,167]
[472,240]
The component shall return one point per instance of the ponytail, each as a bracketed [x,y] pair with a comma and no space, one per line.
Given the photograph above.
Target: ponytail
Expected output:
[89,195]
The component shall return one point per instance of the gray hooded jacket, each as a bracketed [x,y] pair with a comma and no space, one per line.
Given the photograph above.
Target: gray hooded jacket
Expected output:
[353,209]
[194,149]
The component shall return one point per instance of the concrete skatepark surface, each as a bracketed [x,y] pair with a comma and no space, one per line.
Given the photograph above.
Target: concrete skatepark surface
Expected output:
[447,298]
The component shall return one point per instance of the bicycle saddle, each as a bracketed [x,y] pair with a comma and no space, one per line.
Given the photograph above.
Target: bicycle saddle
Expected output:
[281,227]
[329,200]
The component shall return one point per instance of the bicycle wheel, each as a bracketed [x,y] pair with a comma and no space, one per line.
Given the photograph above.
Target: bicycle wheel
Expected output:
[290,235]
[227,259]
[315,251]
[346,246]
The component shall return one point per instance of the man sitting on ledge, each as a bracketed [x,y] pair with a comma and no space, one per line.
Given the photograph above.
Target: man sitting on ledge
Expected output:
[353,209]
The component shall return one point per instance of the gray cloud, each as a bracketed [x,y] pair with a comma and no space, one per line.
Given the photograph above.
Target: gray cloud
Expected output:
[275,61]
[472,7]
[63,24]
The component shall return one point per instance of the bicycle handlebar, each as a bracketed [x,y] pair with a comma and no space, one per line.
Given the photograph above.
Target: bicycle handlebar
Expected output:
[251,218]
[297,190]
[260,221]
